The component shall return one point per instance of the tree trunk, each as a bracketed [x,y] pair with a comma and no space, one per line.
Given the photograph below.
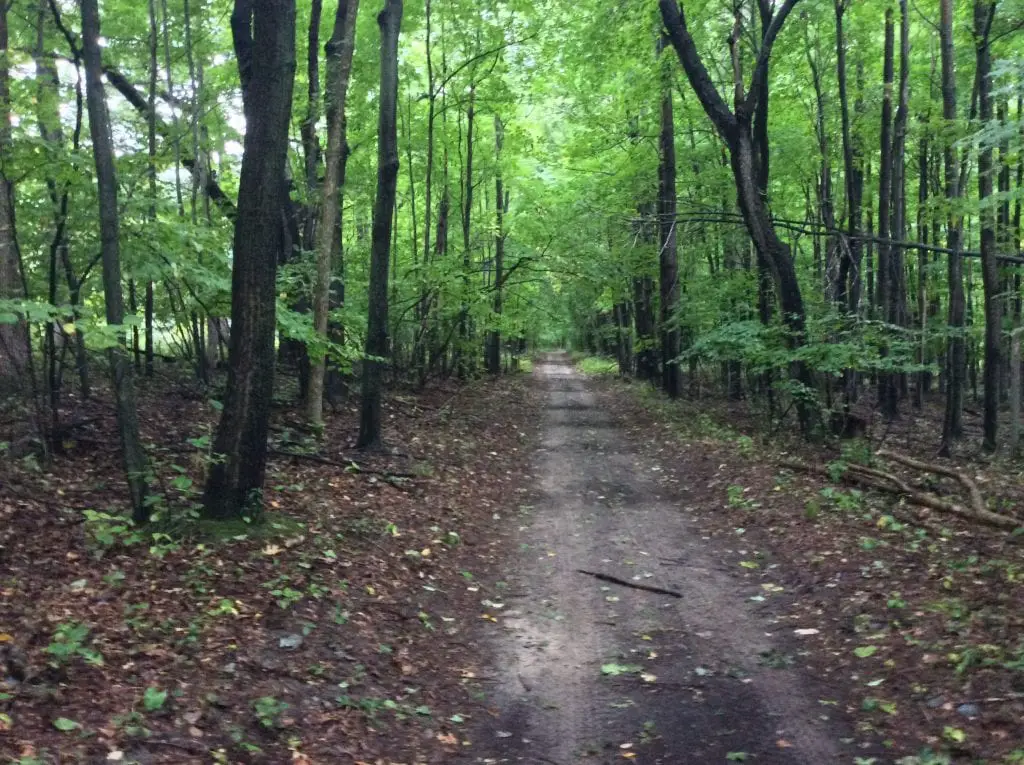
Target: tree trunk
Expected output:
[14,345]
[500,208]
[887,392]
[668,262]
[952,427]
[106,180]
[235,484]
[339,51]
[923,377]
[643,318]
[745,133]
[983,12]
[389,20]
[464,361]
[151,172]
[897,310]
[50,130]
[849,265]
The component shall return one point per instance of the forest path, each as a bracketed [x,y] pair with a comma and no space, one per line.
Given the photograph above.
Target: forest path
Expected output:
[590,671]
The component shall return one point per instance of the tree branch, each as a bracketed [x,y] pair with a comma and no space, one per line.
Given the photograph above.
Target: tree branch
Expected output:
[714,105]
[759,79]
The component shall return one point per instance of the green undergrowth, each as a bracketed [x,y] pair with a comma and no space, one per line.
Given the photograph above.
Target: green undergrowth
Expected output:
[596,365]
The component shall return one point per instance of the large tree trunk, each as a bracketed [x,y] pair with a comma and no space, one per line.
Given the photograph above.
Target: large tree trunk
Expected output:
[236,480]
[339,51]
[748,158]
[389,20]
[106,180]
[668,262]
[952,427]
[983,13]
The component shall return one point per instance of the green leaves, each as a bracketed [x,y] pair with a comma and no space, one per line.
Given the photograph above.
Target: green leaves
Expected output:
[614,669]
[865,651]
[153,699]
[66,725]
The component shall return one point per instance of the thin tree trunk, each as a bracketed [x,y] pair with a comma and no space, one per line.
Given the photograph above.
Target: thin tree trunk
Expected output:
[849,265]
[106,179]
[887,392]
[464,362]
[983,13]
[923,378]
[668,259]
[339,50]
[14,344]
[952,427]
[151,172]
[48,120]
[389,20]
[500,208]
[234,488]
[897,310]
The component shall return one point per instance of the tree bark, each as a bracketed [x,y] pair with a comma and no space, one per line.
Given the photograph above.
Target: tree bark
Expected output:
[748,164]
[234,488]
[500,208]
[151,172]
[106,181]
[952,427]
[389,20]
[339,50]
[887,392]
[849,264]
[668,259]
[983,13]
[897,310]
[464,361]
[14,346]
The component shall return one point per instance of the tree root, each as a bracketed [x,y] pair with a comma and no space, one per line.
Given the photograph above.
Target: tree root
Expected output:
[882,480]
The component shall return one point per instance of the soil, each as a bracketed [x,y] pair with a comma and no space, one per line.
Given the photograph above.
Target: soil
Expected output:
[589,670]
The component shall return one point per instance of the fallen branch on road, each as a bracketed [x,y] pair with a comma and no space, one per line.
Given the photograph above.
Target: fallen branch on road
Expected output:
[633,585]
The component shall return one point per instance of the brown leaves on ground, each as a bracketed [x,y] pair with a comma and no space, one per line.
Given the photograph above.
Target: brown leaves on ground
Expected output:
[330,633]
[916,618]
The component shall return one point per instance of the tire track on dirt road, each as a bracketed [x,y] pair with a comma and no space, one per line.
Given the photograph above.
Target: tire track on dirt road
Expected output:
[593,672]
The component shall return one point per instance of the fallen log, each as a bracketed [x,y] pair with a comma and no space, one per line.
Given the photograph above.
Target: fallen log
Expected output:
[883,481]
[977,501]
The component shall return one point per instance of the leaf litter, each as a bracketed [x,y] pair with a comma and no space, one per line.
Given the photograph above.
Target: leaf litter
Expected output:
[312,638]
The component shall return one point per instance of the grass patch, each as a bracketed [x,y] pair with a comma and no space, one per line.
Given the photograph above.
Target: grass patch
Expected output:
[595,365]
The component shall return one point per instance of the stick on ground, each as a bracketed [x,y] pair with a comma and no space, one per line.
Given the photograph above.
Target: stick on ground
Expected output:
[633,585]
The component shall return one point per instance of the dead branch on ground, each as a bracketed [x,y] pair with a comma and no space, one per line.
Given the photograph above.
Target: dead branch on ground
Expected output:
[882,480]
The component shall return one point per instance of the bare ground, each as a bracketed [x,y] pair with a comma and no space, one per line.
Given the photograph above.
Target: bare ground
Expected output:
[590,671]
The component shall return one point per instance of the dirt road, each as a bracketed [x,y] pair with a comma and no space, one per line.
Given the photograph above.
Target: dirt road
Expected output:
[591,671]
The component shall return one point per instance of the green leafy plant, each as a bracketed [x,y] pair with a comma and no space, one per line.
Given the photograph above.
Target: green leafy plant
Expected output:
[69,642]
[269,711]
[153,699]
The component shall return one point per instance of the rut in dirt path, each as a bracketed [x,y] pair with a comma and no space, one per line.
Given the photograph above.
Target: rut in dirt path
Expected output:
[590,671]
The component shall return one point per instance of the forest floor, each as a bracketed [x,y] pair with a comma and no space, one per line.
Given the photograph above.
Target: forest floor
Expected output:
[426,605]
